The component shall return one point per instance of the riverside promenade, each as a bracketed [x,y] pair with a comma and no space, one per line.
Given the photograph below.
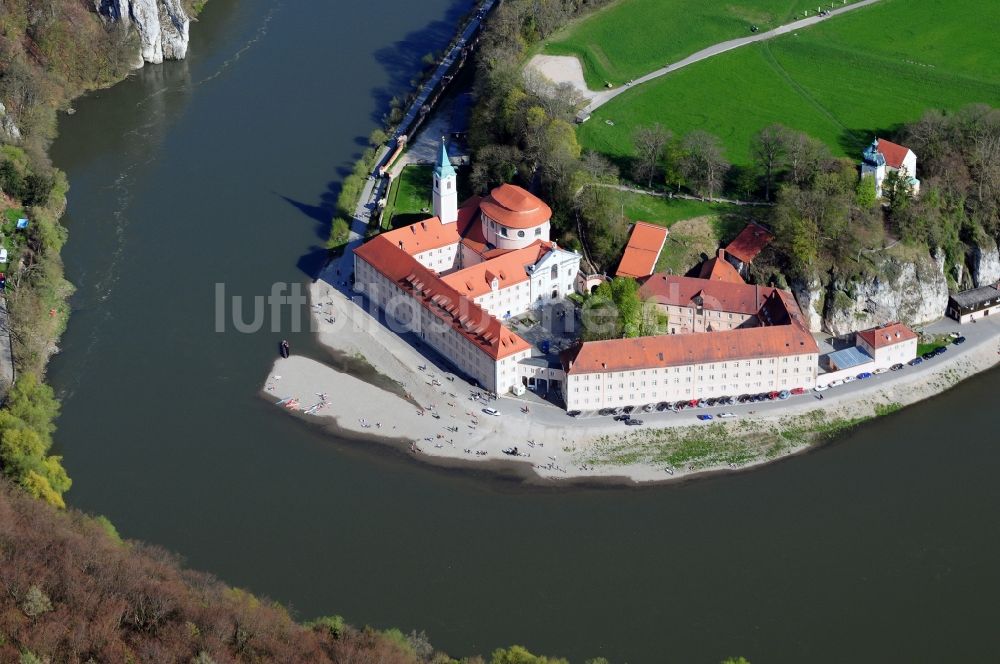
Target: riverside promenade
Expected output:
[336,271]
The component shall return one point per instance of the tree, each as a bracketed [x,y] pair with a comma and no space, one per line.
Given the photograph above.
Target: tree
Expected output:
[865,194]
[804,156]
[650,143]
[377,137]
[702,163]
[614,311]
[768,148]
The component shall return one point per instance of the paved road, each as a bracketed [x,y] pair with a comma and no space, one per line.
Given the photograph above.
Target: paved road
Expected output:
[603,97]
[416,106]
[6,354]
[985,332]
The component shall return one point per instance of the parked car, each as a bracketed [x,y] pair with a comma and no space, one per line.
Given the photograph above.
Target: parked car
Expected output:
[915,361]
[896,367]
[784,394]
[633,422]
[930,355]
[958,341]
[880,371]
[954,335]
[864,375]
[821,388]
[798,390]
[849,379]
[492,411]
[705,417]
[604,412]
[628,409]
[940,350]
[835,383]
[773,395]
[727,415]
[622,417]
[648,408]
[573,413]
[662,406]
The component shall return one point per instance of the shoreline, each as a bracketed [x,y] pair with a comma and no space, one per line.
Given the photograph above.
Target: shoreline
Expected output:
[553,448]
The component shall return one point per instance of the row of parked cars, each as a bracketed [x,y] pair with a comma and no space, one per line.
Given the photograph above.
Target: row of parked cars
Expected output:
[956,340]
[625,413]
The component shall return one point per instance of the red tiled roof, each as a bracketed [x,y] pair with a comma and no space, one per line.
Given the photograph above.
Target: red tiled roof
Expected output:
[887,335]
[719,269]
[716,295]
[452,308]
[750,242]
[515,207]
[642,251]
[423,236]
[782,332]
[508,268]
[675,349]
[894,154]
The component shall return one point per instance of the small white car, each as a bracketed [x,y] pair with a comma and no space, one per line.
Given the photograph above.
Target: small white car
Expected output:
[880,370]
[835,383]
[849,379]
[821,388]
[492,411]
[726,415]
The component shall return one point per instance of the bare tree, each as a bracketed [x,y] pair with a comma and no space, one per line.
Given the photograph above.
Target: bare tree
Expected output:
[702,163]
[768,147]
[804,156]
[650,143]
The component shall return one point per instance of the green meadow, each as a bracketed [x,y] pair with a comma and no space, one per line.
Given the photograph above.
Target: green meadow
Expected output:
[634,37]
[842,82]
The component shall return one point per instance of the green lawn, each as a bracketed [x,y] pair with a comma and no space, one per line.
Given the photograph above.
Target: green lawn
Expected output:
[665,211]
[841,82]
[409,196]
[634,37]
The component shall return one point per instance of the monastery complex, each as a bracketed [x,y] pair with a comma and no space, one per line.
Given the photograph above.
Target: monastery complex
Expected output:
[459,279]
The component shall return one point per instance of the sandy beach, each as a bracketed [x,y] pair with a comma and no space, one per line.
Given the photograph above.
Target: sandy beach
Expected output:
[440,419]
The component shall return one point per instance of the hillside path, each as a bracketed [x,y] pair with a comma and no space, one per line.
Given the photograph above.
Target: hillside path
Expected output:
[602,97]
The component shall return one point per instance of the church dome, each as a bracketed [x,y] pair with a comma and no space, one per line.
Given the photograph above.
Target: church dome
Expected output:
[514,207]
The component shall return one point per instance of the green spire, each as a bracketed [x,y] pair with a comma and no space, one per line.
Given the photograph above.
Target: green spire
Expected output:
[444,168]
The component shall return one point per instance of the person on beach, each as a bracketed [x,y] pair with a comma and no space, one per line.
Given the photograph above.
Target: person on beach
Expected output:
[284,348]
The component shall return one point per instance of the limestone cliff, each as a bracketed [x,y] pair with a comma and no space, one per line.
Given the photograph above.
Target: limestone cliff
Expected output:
[912,290]
[984,263]
[162,26]
[9,131]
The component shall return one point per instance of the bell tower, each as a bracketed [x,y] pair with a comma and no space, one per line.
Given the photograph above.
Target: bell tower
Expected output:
[445,188]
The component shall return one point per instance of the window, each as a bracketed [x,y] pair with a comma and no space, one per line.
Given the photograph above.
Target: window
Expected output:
[520,233]
[503,231]
[538,231]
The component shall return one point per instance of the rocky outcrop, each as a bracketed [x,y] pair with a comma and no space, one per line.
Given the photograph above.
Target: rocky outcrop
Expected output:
[810,296]
[912,291]
[984,263]
[162,26]
[9,131]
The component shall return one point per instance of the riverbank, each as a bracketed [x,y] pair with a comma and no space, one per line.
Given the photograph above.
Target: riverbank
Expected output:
[437,417]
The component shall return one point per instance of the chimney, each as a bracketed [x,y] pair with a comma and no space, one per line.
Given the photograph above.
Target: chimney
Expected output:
[400,244]
[722,253]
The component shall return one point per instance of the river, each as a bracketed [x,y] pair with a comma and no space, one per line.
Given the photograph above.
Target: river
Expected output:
[223,169]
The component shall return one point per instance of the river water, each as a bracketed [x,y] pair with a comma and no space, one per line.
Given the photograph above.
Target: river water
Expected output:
[222,170]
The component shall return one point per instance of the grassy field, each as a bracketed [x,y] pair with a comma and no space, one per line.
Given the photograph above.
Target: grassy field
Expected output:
[841,82]
[409,196]
[634,37]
